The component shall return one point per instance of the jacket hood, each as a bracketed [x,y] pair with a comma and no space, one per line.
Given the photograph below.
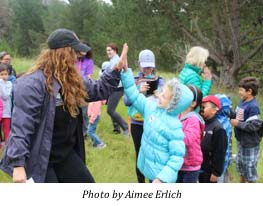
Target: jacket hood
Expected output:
[226,105]
[193,113]
[181,99]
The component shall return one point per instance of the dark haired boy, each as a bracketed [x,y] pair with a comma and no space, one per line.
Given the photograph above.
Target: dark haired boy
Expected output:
[247,125]
[214,141]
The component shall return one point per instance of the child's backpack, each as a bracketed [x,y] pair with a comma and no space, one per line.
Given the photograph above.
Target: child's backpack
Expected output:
[223,117]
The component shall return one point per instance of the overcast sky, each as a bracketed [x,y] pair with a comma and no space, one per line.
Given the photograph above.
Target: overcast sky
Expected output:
[107,1]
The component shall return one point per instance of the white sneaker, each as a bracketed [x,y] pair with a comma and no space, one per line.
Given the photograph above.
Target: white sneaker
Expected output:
[233,158]
[100,146]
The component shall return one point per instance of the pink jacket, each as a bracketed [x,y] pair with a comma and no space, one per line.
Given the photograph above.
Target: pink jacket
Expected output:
[1,108]
[94,109]
[193,127]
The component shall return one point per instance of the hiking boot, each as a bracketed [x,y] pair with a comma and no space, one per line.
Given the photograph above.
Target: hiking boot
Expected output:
[117,129]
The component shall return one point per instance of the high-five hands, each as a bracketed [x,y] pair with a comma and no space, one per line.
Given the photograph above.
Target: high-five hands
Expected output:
[123,62]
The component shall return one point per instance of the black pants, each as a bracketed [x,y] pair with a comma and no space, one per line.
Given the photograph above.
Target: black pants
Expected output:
[70,170]
[116,118]
[204,177]
[85,119]
[136,132]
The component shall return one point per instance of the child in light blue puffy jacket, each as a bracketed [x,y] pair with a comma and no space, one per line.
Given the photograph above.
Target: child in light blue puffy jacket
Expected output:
[162,148]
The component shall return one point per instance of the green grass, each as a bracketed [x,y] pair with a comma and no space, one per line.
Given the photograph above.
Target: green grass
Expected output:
[116,163]
[22,64]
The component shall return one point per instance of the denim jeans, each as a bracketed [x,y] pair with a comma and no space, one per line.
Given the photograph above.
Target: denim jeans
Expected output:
[91,131]
[188,176]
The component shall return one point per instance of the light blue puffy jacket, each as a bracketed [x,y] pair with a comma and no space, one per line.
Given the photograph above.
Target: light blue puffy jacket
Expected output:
[162,147]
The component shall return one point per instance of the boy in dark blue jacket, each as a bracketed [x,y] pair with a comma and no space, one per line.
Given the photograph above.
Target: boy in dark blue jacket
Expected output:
[214,141]
[247,125]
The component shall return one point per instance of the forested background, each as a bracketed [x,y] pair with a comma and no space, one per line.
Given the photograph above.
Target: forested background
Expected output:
[232,30]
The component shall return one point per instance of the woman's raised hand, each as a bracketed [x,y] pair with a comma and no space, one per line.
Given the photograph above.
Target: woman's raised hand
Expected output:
[123,62]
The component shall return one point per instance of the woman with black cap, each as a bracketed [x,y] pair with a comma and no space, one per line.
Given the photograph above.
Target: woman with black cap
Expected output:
[46,141]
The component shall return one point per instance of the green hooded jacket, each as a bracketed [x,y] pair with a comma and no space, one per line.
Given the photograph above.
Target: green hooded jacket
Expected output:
[191,75]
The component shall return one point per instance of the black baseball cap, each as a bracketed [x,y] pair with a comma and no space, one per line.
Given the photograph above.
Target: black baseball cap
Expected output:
[61,38]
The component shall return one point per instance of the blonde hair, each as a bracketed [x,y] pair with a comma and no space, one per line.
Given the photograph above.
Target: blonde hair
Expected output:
[197,56]
[60,63]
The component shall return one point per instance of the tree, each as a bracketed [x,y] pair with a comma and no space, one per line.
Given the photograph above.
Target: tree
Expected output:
[4,19]
[232,39]
[28,28]
[55,15]
[135,22]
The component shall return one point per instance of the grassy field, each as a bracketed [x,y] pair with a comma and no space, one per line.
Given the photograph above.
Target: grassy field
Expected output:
[116,163]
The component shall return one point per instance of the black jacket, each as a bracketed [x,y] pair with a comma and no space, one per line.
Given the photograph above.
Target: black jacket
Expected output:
[213,145]
[249,132]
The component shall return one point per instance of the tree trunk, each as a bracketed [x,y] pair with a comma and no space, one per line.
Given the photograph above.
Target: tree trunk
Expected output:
[228,77]
[224,77]
[4,19]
